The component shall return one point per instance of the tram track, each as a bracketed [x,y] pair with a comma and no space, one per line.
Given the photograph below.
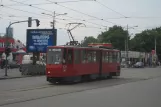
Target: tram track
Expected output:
[102,85]
[54,85]
[26,89]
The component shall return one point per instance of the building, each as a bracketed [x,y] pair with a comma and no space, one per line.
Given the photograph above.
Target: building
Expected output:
[15,45]
[10,32]
[134,56]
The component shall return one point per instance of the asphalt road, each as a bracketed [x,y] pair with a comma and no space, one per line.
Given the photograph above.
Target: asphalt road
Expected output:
[134,88]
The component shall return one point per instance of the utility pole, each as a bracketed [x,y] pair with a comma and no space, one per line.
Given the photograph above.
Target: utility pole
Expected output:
[127,41]
[155,49]
[125,50]
[54,20]
[155,45]
[54,15]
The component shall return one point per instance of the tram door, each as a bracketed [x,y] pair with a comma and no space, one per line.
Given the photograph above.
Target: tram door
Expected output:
[68,59]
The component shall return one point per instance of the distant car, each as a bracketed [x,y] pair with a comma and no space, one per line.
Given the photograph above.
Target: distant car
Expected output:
[139,65]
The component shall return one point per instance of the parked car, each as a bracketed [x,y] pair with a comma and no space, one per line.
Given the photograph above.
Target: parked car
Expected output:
[139,65]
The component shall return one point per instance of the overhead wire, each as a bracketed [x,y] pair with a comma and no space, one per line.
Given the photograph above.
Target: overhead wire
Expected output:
[22,10]
[110,8]
[48,11]
[2,18]
[79,12]
[30,5]
[52,3]
[10,15]
[56,18]
[79,1]
[144,17]
[83,21]
[102,4]
[84,27]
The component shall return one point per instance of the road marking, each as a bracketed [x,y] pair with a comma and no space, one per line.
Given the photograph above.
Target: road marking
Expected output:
[12,99]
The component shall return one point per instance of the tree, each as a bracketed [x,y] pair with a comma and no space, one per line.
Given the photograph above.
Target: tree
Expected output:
[145,41]
[115,35]
[89,39]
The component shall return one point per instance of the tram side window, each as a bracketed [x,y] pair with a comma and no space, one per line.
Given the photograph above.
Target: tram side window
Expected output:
[110,57]
[91,55]
[83,56]
[94,56]
[70,56]
[105,57]
[64,55]
[114,57]
[76,56]
[97,56]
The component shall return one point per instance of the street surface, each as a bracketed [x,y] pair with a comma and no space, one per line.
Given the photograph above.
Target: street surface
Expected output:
[134,88]
[12,73]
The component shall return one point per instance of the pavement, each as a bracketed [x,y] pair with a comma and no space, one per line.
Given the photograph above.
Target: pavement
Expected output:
[15,73]
[136,94]
[11,74]
[134,88]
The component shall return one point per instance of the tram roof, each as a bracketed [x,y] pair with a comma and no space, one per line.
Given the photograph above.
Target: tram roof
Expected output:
[97,48]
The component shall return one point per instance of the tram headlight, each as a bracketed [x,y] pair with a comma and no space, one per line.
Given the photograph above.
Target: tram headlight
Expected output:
[49,72]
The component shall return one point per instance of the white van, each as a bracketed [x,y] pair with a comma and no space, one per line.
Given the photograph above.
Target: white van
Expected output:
[28,59]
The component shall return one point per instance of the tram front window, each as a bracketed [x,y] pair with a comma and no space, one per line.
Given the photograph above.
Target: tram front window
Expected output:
[54,56]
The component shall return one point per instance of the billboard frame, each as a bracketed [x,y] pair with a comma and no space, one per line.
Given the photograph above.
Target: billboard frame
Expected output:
[28,39]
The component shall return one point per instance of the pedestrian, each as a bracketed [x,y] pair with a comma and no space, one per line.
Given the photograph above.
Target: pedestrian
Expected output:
[158,63]
[3,60]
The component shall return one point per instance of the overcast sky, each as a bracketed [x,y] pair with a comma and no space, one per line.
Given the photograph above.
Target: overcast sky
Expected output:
[142,13]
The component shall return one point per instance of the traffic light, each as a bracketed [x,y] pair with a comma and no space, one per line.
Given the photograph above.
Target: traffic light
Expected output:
[37,22]
[29,21]
[7,51]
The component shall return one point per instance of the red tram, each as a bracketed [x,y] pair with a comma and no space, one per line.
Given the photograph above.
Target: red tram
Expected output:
[73,63]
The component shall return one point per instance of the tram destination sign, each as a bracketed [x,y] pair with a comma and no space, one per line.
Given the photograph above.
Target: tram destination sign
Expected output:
[39,39]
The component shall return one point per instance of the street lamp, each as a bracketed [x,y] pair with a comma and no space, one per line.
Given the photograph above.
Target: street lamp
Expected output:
[155,44]
[54,15]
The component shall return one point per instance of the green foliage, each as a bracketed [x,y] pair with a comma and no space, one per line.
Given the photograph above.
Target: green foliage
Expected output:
[115,35]
[89,39]
[145,41]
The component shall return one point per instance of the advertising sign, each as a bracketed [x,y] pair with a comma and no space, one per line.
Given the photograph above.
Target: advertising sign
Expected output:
[39,39]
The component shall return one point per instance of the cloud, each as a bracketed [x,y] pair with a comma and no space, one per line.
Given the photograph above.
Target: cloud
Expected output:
[89,10]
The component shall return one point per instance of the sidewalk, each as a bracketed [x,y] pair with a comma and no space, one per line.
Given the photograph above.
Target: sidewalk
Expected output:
[12,73]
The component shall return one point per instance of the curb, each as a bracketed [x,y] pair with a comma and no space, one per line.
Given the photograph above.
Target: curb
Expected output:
[4,78]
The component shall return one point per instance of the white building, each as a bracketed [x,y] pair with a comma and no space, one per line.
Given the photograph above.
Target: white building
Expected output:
[135,56]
